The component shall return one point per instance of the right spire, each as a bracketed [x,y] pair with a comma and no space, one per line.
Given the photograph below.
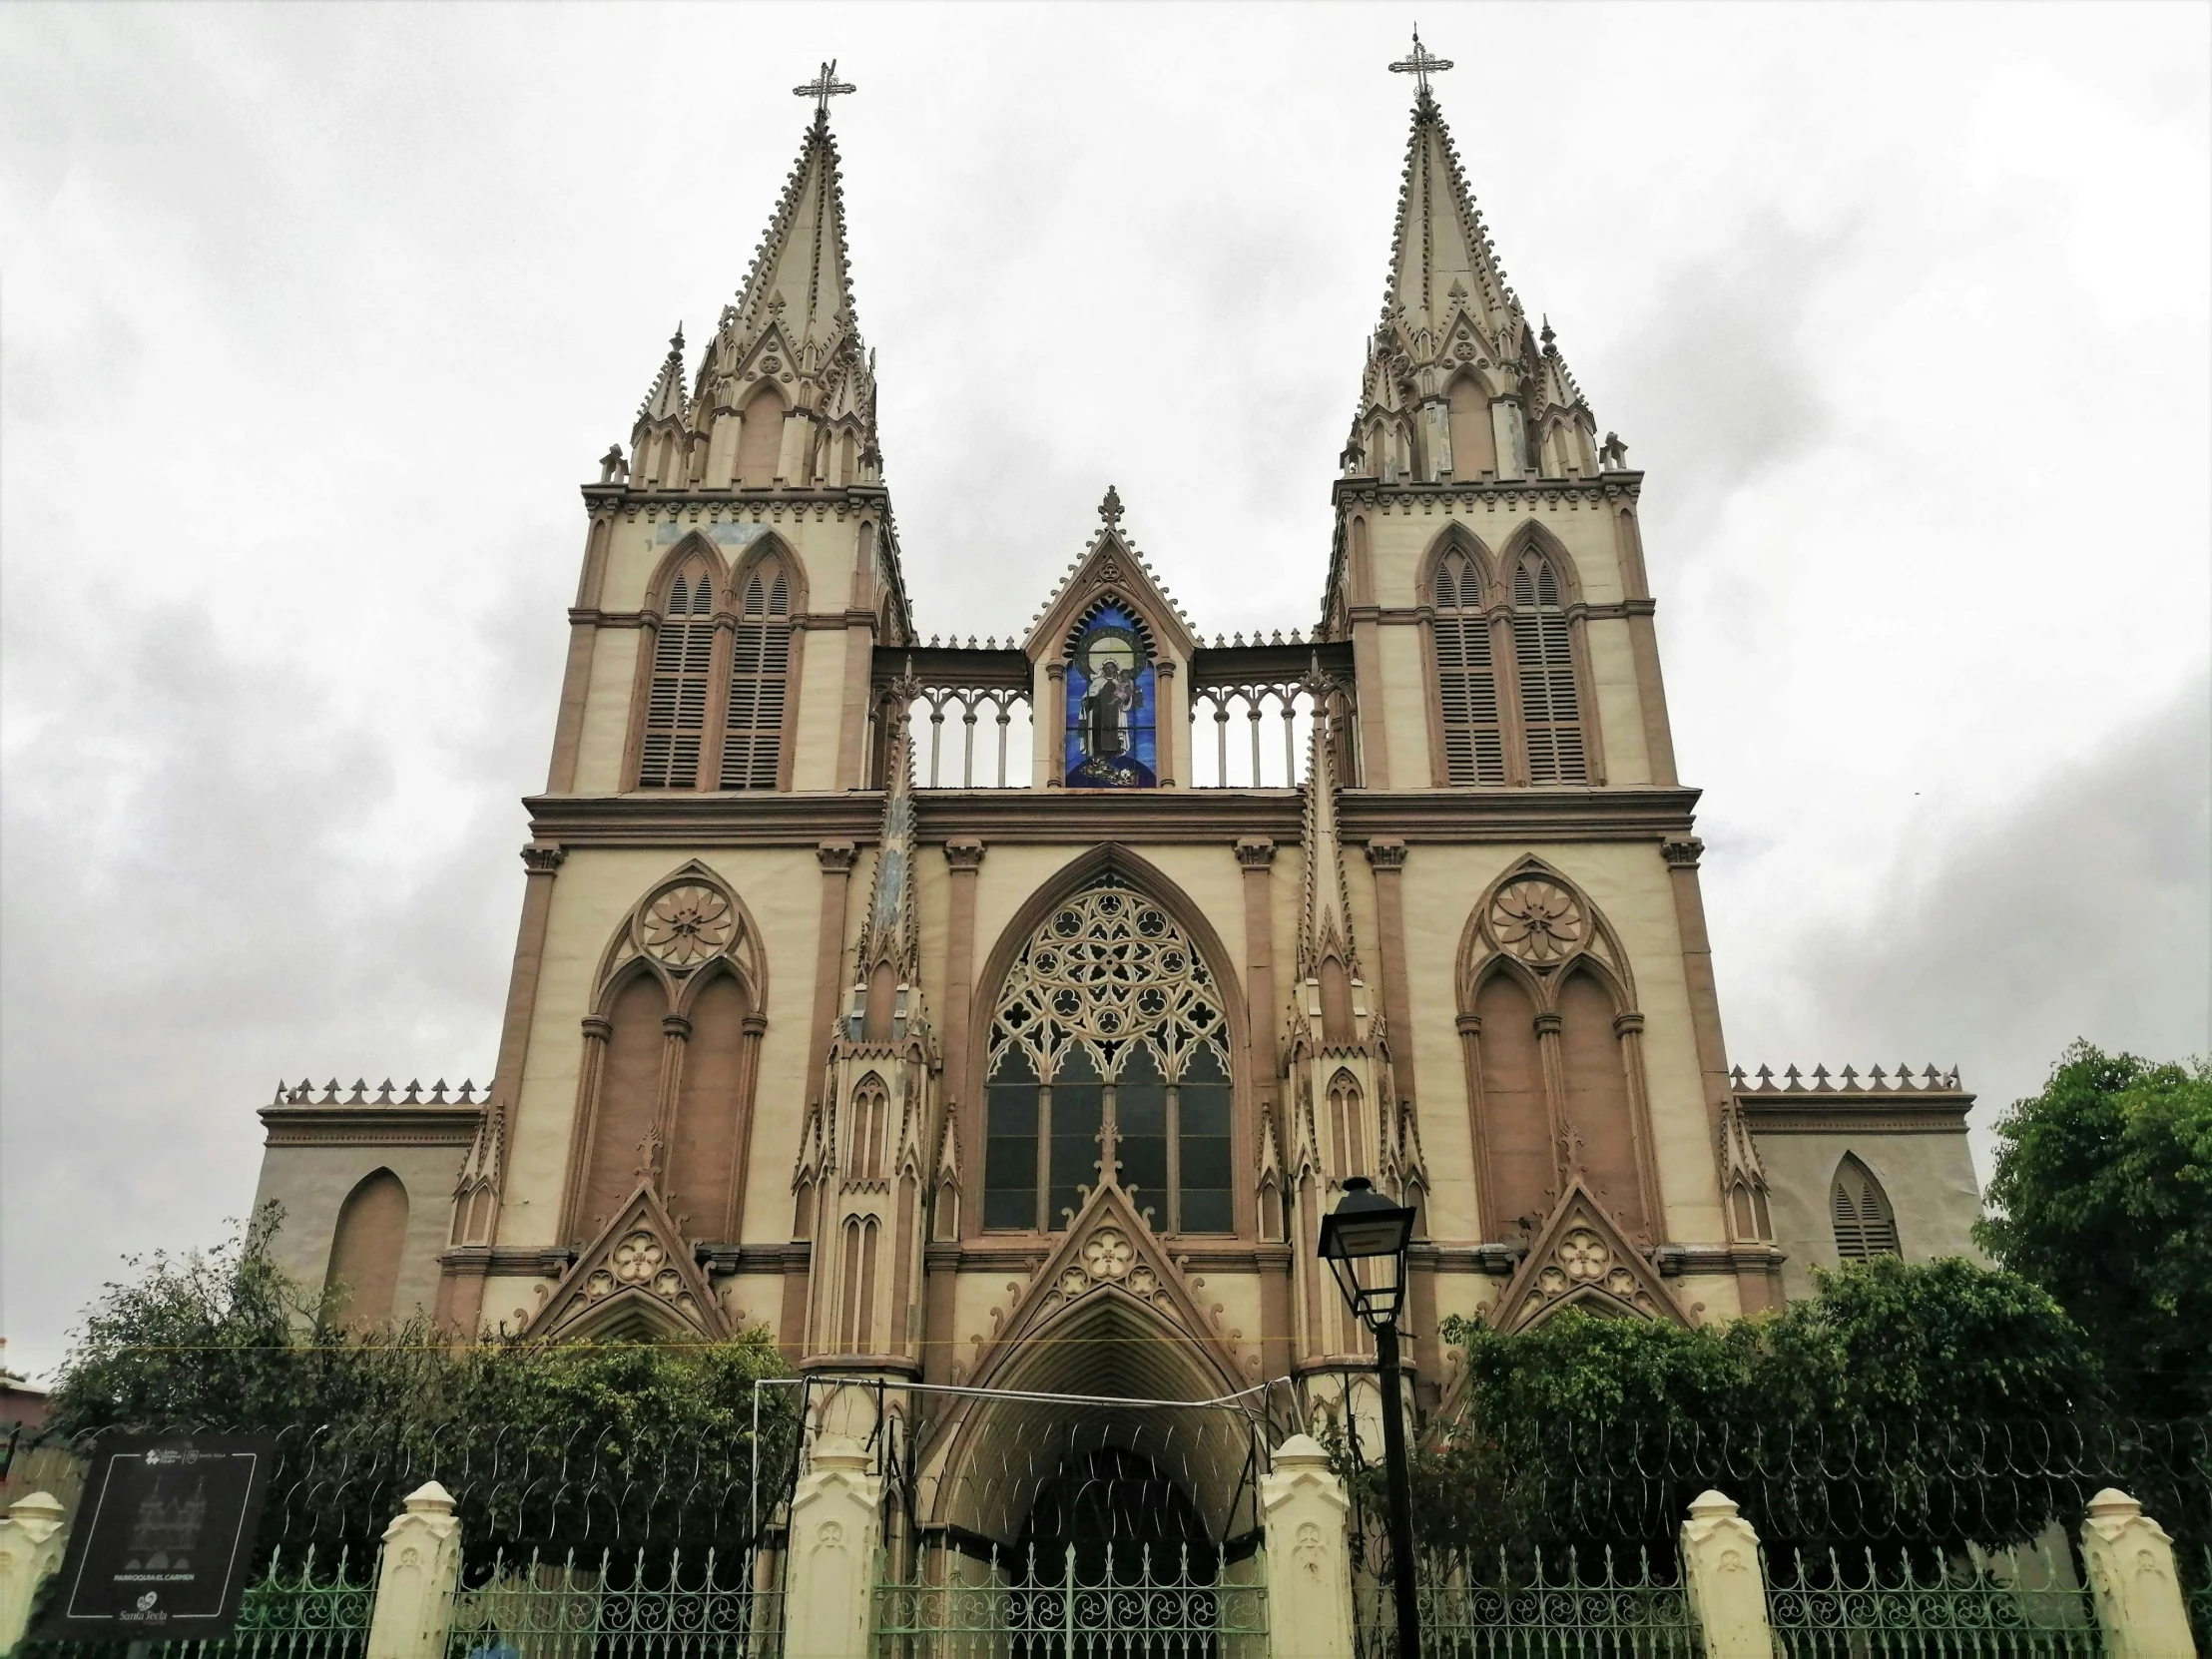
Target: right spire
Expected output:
[1457,384]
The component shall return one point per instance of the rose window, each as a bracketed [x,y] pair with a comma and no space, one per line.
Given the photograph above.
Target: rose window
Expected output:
[1539,922]
[687,924]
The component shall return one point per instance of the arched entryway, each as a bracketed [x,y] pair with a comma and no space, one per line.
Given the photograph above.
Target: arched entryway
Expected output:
[1112,1515]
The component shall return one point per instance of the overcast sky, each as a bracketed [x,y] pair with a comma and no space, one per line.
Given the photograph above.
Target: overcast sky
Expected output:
[313,319]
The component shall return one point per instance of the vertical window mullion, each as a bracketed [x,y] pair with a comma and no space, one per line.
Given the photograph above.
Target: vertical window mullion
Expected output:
[1044,1156]
[1175,1156]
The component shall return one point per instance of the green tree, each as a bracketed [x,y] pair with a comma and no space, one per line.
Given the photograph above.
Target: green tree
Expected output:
[1841,1415]
[585,1443]
[2102,1195]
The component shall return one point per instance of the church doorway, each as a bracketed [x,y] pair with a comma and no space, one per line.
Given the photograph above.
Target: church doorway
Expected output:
[1115,1517]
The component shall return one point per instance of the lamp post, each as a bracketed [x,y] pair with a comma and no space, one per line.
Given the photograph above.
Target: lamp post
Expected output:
[1364,1241]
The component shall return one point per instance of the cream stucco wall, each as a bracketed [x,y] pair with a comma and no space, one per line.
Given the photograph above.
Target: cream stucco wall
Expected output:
[313,1182]
[1929,1180]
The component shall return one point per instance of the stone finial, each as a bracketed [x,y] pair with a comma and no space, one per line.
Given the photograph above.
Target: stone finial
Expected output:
[836,1520]
[2133,1582]
[1302,1506]
[31,1546]
[416,1573]
[1109,509]
[1726,1583]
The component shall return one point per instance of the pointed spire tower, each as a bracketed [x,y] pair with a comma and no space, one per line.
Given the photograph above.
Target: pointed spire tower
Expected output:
[786,392]
[1346,1117]
[1458,386]
[870,1156]
[660,441]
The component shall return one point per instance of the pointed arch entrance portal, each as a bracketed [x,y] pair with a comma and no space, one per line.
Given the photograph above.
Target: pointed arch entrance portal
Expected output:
[1112,1515]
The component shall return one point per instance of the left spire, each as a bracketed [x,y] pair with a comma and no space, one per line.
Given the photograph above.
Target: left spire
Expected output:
[786,392]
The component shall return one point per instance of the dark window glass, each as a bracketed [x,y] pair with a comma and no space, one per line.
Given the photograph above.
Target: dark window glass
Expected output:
[1078,1108]
[1202,1114]
[1141,1121]
[1011,1144]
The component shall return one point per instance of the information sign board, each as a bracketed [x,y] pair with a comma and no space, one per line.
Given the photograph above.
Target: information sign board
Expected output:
[163,1539]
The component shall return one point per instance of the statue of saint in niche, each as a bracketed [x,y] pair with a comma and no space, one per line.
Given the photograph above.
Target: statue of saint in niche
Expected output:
[1111,698]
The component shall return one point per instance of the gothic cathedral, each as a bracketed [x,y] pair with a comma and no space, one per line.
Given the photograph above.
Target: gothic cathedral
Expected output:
[933,1003]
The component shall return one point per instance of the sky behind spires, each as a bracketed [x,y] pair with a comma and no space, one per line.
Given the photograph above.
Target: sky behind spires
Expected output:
[312,321]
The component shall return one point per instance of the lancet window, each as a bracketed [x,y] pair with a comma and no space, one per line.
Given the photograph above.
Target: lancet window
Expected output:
[1108,1062]
[1865,1226]
[1544,655]
[1467,677]
[676,706]
[759,661]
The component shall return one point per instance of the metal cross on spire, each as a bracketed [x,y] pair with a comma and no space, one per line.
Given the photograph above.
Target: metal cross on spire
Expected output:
[826,86]
[1421,63]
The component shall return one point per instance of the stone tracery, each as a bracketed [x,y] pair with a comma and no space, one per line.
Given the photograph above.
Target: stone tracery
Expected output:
[1108,969]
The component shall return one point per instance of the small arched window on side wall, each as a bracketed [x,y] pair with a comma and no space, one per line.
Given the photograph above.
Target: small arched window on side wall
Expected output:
[363,1284]
[1466,676]
[676,707]
[753,738]
[1543,655]
[1865,1226]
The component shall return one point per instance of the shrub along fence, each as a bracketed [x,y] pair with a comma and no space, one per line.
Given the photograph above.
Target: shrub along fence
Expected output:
[2019,1541]
[2007,1538]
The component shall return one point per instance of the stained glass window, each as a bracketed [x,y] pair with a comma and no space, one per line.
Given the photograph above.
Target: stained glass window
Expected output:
[1108,1062]
[1113,706]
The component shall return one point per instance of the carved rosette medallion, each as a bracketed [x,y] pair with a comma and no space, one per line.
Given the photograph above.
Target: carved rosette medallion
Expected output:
[639,1262]
[1539,922]
[1108,1256]
[1584,1258]
[687,925]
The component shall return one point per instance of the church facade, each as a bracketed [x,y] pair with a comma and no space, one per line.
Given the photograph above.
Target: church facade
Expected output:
[1009,1014]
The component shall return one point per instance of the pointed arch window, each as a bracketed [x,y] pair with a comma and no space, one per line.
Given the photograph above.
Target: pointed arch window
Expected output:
[1544,655]
[676,708]
[1108,1061]
[760,664]
[1865,1226]
[1467,677]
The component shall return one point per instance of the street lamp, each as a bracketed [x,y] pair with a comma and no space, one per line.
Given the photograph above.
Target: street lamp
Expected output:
[1364,1241]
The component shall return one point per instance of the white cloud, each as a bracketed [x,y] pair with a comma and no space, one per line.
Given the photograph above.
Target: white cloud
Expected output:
[313,318]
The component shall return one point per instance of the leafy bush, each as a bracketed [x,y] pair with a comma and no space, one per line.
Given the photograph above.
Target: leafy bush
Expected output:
[1890,1405]
[583,1445]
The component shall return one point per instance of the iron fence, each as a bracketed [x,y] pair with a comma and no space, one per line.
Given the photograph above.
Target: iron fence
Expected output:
[1888,1538]
[1137,1603]
[2025,1603]
[299,1608]
[1604,1603]
[617,1606]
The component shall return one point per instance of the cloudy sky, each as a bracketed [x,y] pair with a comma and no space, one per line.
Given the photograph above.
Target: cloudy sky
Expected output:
[314,317]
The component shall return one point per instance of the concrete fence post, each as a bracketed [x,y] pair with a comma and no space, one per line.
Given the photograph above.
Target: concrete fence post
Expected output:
[1727,1585]
[2133,1582]
[417,1578]
[830,1572]
[1303,1507]
[31,1545]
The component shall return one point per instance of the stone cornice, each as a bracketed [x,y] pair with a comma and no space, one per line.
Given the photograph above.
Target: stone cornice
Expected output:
[1402,616]
[508,1261]
[1411,497]
[1811,1113]
[1204,817]
[778,499]
[370,1125]
[755,1258]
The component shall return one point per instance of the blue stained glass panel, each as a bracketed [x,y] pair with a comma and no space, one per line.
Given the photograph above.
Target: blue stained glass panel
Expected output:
[1113,707]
